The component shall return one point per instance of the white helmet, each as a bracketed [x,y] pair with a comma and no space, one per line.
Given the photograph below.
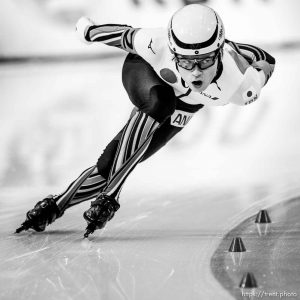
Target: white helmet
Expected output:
[195,29]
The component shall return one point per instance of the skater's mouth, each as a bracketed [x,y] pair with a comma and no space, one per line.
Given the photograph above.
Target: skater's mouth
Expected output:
[197,83]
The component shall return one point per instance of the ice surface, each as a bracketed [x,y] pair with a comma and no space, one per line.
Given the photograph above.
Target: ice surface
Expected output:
[175,208]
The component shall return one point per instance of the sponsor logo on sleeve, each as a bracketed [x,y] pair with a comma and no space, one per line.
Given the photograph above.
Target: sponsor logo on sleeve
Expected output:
[150,46]
[221,33]
[180,118]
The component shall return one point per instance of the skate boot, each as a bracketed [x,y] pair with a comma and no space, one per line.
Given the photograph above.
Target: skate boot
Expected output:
[43,214]
[101,211]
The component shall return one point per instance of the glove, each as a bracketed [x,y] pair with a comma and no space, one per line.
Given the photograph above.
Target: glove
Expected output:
[264,68]
[82,27]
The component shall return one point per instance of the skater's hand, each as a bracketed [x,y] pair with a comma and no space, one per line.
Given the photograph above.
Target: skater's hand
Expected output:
[266,68]
[82,26]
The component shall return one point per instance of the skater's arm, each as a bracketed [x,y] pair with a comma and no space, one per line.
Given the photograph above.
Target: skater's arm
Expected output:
[117,35]
[256,67]
[258,58]
[145,42]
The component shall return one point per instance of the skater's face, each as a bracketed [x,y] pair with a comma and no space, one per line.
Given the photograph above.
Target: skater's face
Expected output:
[198,71]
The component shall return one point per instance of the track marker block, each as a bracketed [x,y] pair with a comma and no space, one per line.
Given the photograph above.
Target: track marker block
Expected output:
[237,245]
[248,281]
[263,217]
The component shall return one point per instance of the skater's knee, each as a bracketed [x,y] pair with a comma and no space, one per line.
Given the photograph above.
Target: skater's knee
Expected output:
[162,103]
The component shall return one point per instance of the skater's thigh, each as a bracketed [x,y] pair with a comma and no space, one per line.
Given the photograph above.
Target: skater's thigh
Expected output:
[146,90]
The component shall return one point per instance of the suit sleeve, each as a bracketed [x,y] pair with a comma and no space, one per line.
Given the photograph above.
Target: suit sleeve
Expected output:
[117,35]
[256,57]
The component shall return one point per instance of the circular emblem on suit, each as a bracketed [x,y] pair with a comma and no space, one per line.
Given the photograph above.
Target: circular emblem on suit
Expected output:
[168,75]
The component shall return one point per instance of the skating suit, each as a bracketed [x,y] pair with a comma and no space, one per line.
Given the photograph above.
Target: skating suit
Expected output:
[163,103]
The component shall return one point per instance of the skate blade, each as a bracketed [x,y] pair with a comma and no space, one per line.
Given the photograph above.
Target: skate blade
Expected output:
[87,233]
[24,226]
[21,228]
[89,230]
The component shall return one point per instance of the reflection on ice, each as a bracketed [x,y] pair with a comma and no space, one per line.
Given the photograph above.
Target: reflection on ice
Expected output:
[263,229]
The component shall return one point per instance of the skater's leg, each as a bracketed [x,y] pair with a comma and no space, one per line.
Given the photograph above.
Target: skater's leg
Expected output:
[45,212]
[92,181]
[155,102]
[85,187]
[132,146]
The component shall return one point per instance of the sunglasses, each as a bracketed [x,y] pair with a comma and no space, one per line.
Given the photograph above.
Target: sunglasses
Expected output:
[190,64]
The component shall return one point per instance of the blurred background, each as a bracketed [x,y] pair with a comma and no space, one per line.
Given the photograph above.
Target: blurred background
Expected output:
[62,101]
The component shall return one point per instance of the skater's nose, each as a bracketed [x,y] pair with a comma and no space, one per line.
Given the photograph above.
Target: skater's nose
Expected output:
[197,71]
